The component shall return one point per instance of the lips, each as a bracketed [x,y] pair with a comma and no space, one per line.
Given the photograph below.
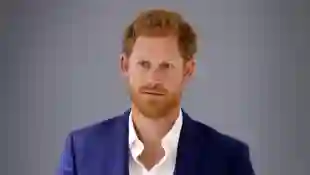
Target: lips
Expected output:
[153,93]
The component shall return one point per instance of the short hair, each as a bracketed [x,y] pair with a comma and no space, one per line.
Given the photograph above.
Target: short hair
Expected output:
[160,22]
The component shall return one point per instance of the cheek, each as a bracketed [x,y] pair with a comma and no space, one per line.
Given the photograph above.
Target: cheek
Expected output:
[139,76]
[135,79]
[174,82]
[175,75]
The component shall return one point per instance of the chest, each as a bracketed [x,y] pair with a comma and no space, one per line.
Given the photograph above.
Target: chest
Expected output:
[165,165]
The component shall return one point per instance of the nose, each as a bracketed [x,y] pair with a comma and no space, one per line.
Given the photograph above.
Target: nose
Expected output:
[155,75]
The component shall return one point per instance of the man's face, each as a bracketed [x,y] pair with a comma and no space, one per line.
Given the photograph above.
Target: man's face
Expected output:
[156,74]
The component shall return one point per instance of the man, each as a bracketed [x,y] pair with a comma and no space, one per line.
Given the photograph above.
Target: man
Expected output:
[155,136]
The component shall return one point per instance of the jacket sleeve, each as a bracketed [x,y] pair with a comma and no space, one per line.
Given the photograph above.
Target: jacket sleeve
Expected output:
[240,162]
[67,158]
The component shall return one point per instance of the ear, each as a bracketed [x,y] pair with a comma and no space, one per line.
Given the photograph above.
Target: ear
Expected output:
[190,68]
[124,64]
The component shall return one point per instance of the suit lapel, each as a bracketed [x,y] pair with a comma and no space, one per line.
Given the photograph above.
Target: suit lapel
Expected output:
[119,151]
[190,158]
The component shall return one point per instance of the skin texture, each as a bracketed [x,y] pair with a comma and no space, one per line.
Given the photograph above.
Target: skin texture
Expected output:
[156,75]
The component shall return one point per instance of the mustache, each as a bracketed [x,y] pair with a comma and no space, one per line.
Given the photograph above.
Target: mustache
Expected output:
[154,88]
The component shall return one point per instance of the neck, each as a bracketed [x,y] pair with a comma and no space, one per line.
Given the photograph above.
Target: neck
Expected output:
[151,130]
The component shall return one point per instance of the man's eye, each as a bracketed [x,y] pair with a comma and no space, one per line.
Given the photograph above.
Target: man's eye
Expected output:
[166,66]
[144,64]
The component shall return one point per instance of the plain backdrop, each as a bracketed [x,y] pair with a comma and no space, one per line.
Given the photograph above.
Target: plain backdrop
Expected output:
[59,71]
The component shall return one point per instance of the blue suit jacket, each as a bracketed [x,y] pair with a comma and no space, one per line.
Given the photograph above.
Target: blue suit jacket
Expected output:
[102,149]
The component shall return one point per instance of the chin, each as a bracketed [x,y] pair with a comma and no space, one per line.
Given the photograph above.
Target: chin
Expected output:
[154,108]
[153,112]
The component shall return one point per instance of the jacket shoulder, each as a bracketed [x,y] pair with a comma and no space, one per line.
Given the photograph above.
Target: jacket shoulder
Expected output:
[220,140]
[99,129]
[234,152]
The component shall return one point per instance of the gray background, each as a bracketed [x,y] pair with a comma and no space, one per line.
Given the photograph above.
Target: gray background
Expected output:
[59,71]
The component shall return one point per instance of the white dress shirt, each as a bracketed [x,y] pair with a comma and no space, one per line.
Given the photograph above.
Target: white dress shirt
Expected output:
[169,143]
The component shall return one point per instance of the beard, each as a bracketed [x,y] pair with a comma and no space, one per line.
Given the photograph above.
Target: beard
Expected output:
[154,106]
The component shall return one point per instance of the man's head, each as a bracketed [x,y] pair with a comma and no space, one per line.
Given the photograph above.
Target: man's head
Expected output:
[158,60]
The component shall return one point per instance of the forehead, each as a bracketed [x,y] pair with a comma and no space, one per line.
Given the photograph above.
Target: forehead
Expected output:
[159,46]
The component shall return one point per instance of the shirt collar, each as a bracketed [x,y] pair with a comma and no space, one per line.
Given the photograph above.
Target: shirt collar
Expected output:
[169,142]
